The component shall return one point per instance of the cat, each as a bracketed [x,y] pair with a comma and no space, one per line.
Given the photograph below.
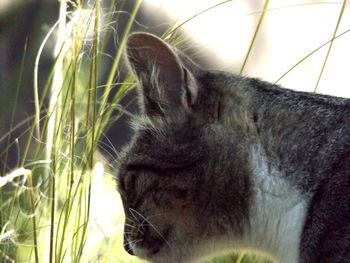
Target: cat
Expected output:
[222,162]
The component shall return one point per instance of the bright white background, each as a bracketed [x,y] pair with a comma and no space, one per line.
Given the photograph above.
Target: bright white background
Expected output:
[290,30]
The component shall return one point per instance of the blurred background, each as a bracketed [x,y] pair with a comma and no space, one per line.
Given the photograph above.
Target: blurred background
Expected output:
[218,39]
[218,35]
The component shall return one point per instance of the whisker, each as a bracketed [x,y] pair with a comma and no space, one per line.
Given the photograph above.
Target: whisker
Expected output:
[132,242]
[129,232]
[150,224]
[132,213]
[153,216]
[129,225]
[138,228]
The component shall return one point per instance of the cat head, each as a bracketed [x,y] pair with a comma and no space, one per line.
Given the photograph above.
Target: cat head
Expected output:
[180,178]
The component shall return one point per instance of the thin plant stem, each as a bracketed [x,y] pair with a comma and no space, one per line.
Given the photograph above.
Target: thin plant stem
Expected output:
[35,85]
[170,32]
[254,36]
[37,114]
[19,83]
[53,211]
[293,6]
[53,106]
[106,36]
[32,202]
[120,52]
[93,89]
[331,45]
[18,87]
[309,55]
[241,257]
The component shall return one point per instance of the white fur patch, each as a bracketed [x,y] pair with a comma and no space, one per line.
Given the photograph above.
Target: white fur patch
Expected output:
[277,214]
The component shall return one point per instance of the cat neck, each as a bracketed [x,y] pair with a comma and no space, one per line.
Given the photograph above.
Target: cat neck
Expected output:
[302,132]
[277,213]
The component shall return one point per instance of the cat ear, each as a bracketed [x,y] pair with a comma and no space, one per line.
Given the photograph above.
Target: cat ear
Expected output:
[166,83]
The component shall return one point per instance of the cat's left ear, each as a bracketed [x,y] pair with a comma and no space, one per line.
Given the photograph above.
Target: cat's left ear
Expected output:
[167,77]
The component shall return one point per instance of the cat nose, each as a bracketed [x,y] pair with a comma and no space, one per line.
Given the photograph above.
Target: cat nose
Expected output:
[133,235]
[143,246]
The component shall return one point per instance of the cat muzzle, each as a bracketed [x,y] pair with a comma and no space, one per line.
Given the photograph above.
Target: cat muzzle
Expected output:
[142,246]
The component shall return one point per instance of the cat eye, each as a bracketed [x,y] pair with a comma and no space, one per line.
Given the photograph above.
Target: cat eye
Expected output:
[125,180]
[128,180]
[143,167]
[121,185]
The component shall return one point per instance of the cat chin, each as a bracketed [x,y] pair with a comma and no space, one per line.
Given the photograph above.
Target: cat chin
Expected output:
[165,256]
[183,249]
[172,255]
[165,259]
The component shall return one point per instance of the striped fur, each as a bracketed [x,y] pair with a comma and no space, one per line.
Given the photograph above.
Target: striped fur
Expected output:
[220,162]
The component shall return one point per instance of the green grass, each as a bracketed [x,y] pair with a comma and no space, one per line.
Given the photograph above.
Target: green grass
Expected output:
[56,206]
[46,209]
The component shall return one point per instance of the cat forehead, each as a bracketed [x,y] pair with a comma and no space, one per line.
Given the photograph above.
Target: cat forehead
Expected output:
[152,135]
[147,151]
[158,126]
[154,125]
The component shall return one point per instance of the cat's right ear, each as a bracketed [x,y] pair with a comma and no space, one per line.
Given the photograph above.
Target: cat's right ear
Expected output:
[167,83]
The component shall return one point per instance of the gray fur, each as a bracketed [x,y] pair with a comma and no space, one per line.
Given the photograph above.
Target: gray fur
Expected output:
[215,155]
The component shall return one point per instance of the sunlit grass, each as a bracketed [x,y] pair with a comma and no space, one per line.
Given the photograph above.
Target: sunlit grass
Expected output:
[50,210]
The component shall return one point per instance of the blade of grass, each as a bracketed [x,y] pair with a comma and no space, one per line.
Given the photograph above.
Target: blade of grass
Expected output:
[4,216]
[106,36]
[118,56]
[13,112]
[74,182]
[331,45]
[6,258]
[241,257]
[35,84]
[52,111]
[254,36]
[32,202]
[105,110]
[173,30]
[93,90]
[71,149]
[40,104]
[293,6]
[53,211]
[308,55]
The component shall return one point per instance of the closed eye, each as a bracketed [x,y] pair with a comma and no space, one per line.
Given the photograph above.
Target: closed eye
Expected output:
[120,183]
[143,167]
[160,168]
[128,180]
[121,186]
